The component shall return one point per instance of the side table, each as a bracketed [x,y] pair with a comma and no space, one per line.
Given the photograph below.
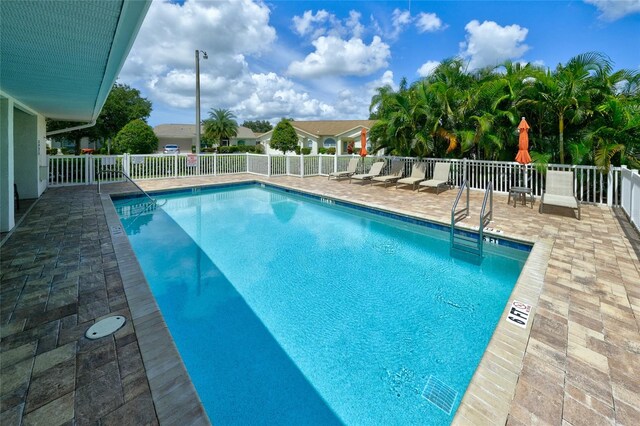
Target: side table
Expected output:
[520,192]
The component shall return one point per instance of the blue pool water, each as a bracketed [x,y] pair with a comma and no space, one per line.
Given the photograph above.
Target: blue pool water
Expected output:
[287,310]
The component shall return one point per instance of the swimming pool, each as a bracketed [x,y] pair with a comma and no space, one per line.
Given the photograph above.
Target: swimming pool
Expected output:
[288,310]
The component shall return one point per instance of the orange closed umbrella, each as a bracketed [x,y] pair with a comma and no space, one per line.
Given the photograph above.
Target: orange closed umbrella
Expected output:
[523,156]
[363,143]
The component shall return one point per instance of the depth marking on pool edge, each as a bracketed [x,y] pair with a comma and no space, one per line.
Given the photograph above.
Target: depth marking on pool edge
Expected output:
[519,313]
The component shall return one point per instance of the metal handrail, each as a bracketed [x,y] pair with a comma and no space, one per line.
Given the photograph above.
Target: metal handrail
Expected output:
[153,200]
[485,218]
[458,215]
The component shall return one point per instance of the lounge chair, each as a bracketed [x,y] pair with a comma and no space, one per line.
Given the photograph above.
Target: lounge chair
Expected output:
[418,172]
[375,170]
[559,191]
[351,170]
[396,172]
[440,177]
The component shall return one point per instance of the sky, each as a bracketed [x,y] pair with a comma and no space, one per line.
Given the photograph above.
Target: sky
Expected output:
[323,60]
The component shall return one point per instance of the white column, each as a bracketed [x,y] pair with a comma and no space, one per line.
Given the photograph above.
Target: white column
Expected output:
[7,206]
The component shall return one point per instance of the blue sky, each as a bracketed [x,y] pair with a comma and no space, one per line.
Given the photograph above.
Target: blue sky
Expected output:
[314,60]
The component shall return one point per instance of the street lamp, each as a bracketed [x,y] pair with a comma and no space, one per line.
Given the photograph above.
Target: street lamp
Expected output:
[204,56]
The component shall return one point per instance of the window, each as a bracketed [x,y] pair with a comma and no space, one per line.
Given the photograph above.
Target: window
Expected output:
[329,143]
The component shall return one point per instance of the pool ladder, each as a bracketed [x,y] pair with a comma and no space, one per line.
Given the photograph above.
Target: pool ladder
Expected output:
[465,241]
[126,176]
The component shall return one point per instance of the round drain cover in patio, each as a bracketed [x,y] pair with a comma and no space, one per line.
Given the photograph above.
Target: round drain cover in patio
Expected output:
[105,327]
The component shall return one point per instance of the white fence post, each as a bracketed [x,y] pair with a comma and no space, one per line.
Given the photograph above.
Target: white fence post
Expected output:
[126,164]
[320,157]
[335,162]
[215,163]
[175,165]
[301,165]
[88,167]
[464,170]
[268,165]
[610,187]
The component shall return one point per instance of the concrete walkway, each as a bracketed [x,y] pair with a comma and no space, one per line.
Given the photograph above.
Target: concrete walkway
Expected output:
[579,362]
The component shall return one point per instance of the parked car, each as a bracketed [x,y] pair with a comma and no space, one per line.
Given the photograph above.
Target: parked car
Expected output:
[171,149]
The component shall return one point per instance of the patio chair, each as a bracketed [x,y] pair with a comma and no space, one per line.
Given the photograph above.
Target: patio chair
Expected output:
[418,172]
[440,177]
[375,170]
[396,172]
[559,191]
[351,170]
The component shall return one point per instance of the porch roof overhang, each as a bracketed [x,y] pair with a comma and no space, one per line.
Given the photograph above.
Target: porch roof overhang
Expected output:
[61,58]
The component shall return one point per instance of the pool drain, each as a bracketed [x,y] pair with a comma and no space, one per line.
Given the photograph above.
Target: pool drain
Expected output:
[105,327]
[439,394]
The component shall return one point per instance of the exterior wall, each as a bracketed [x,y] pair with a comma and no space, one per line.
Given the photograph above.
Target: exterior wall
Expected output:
[25,150]
[7,206]
[43,162]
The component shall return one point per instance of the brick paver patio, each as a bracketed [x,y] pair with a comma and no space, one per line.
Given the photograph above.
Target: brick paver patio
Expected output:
[577,363]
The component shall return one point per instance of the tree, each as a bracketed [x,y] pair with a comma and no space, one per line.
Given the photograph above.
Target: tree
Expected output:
[258,126]
[123,105]
[568,90]
[284,137]
[220,125]
[137,137]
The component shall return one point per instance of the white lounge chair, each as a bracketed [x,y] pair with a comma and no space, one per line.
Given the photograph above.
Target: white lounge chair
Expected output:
[418,172]
[396,172]
[375,170]
[559,191]
[351,170]
[440,177]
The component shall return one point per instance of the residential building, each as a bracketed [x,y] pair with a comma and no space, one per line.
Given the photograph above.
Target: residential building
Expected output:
[59,61]
[184,135]
[336,134]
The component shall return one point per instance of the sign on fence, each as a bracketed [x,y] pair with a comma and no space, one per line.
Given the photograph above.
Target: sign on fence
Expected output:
[192,160]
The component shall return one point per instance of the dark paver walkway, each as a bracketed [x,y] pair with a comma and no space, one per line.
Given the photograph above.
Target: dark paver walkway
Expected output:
[59,275]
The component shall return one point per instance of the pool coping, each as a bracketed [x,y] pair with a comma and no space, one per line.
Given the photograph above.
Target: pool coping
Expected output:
[487,398]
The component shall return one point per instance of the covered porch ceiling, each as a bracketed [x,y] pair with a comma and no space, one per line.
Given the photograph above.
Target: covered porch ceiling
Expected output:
[61,58]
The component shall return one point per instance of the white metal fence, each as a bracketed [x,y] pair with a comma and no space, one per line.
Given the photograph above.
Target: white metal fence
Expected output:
[630,195]
[620,186]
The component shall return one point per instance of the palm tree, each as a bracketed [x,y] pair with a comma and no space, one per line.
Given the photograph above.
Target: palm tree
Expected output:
[567,92]
[220,125]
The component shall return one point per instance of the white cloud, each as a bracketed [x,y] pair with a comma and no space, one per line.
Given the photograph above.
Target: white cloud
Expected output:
[427,68]
[273,97]
[162,63]
[611,10]
[488,44]
[353,23]
[399,19]
[428,22]
[315,25]
[335,56]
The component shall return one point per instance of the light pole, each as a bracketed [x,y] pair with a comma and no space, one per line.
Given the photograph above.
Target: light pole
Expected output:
[204,56]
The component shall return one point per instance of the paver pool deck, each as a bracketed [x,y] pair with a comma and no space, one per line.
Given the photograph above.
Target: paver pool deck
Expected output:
[68,264]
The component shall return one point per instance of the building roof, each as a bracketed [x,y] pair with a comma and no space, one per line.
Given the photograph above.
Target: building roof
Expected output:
[189,131]
[61,58]
[331,127]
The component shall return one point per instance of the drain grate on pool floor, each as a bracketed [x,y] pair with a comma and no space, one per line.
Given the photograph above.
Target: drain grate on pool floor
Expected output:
[439,394]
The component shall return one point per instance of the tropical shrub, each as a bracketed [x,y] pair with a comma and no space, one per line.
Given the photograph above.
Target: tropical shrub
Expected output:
[137,137]
[284,137]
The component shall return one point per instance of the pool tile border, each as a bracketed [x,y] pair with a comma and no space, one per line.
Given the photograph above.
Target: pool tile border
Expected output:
[501,240]
[174,396]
